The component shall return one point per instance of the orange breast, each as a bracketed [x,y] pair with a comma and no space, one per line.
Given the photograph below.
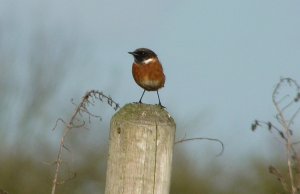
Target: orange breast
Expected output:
[149,76]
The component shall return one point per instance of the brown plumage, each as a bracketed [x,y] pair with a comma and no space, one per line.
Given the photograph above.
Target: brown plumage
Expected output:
[147,71]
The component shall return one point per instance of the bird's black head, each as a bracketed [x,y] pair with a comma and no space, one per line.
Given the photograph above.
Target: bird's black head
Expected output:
[142,54]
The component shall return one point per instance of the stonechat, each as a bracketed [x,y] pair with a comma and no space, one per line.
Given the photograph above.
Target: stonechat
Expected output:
[147,71]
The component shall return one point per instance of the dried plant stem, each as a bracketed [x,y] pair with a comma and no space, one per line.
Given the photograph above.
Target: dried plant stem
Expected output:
[285,125]
[87,99]
[58,162]
[61,146]
[288,146]
[285,116]
[203,138]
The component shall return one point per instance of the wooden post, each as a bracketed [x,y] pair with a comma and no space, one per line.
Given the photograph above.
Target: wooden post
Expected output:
[140,150]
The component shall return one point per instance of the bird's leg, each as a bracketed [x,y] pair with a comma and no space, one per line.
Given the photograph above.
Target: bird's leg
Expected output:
[159,103]
[140,101]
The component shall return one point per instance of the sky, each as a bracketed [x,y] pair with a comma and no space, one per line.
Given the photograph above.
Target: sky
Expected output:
[222,59]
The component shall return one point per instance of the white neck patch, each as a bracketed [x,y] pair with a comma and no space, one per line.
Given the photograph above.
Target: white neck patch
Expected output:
[148,61]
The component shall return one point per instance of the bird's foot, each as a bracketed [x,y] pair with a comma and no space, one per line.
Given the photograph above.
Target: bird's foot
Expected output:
[161,106]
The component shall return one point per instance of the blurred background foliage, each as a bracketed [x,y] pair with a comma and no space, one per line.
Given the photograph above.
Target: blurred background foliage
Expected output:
[29,146]
[32,97]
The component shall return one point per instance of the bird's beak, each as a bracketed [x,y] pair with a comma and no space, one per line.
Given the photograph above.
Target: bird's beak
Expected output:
[132,53]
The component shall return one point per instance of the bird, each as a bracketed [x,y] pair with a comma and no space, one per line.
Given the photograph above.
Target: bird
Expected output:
[147,71]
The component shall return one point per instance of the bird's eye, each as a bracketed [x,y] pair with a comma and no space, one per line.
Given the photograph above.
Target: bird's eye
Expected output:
[143,53]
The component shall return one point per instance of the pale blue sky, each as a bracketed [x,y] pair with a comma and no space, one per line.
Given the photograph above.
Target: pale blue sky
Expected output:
[221,58]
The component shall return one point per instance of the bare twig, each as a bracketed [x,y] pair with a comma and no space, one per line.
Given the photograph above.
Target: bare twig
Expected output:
[203,138]
[285,131]
[56,123]
[279,177]
[293,118]
[87,99]
[270,126]
[285,126]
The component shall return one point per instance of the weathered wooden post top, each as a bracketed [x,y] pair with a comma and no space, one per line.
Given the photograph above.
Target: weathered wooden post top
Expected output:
[140,150]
